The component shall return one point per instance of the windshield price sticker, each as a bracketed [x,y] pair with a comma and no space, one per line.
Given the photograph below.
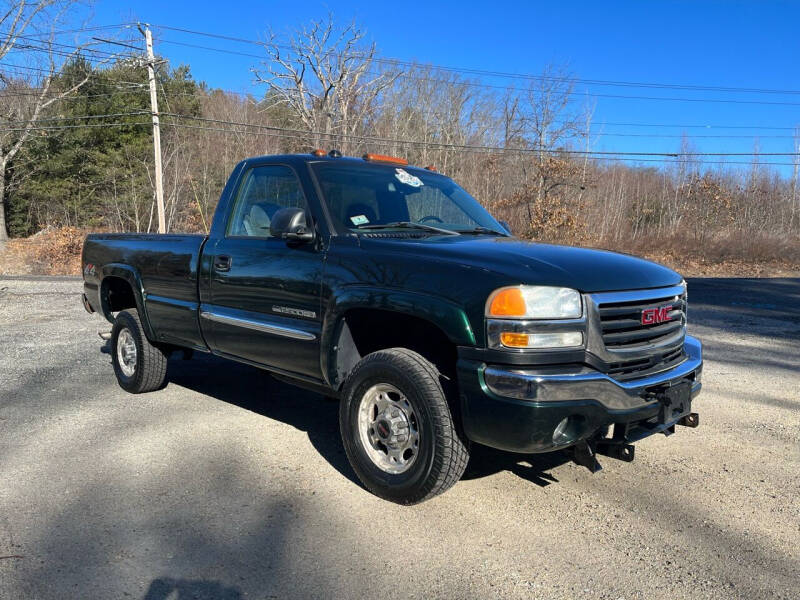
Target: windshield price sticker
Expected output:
[407,178]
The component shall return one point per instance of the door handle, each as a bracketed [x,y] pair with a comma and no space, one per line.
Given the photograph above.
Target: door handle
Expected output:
[222,263]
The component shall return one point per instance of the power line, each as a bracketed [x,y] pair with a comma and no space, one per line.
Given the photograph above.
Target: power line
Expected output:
[475,149]
[475,146]
[83,125]
[83,29]
[81,117]
[696,126]
[507,75]
[489,150]
[482,85]
[504,87]
[210,91]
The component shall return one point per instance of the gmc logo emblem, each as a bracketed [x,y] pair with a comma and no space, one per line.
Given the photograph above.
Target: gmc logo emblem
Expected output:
[651,316]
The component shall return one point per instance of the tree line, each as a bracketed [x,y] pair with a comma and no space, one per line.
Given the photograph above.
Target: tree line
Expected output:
[523,152]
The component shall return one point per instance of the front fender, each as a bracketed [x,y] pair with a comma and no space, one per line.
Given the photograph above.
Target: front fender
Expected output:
[131,275]
[444,314]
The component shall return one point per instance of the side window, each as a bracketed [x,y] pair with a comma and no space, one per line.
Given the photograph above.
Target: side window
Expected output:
[263,191]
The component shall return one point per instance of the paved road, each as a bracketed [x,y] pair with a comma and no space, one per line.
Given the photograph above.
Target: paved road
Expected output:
[228,484]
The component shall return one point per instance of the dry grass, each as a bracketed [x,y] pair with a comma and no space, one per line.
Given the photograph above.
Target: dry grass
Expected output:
[58,252]
[49,252]
[724,254]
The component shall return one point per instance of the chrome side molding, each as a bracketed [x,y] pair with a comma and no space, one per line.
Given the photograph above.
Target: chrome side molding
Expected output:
[288,332]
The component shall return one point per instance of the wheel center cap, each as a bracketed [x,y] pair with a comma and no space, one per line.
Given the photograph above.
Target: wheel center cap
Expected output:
[384,429]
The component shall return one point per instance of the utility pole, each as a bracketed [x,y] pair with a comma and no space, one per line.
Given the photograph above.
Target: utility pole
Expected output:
[151,75]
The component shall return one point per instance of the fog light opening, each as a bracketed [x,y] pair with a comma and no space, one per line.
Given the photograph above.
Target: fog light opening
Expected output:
[568,430]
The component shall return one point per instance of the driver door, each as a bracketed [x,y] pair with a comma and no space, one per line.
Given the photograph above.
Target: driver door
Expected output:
[264,295]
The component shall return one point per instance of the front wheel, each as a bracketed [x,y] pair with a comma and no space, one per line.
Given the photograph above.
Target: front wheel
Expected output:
[139,365]
[397,428]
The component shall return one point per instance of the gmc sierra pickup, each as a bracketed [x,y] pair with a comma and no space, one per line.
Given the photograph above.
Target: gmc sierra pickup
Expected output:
[390,288]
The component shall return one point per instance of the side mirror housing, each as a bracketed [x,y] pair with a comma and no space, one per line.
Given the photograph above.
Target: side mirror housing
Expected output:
[506,226]
[291,224]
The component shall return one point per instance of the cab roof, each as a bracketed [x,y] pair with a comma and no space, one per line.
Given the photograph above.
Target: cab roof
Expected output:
[308,157]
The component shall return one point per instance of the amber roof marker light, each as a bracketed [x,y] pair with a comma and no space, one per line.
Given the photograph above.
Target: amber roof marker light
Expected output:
[318,152]
[385,159]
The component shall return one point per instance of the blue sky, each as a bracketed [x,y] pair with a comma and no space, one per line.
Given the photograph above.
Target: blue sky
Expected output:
[711,43]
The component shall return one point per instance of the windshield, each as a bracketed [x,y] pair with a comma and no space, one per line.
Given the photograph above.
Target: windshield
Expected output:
[370,195]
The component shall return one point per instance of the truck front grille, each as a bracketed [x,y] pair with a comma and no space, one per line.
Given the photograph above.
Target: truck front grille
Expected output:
[622,325]
[643,367]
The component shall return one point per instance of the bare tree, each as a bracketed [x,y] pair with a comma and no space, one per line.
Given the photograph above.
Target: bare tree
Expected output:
[552,122]
[327,77]
[27,88]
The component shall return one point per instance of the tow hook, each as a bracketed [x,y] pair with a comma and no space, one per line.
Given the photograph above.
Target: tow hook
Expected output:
[584,455]
[690,420]
[615,449]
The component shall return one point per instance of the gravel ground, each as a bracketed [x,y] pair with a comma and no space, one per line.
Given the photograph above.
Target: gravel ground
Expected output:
[228,484]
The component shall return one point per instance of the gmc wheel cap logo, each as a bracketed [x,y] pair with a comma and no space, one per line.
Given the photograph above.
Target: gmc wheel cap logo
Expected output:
[651,316]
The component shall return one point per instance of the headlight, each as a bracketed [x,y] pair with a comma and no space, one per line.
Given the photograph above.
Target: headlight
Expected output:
[529,317]
[534,302]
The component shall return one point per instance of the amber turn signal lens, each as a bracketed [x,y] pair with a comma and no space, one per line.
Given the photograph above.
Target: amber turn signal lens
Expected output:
[514,340]
[508,303]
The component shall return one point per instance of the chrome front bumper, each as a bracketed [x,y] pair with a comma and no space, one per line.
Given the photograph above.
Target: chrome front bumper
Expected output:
[542,387]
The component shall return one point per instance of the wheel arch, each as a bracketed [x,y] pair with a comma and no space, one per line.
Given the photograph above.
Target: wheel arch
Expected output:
[362,320]
[120,288]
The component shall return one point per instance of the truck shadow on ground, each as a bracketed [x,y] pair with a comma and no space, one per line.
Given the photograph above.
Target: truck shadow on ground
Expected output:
[255,390]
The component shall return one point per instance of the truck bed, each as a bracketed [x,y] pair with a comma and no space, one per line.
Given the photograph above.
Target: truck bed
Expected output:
[165,265]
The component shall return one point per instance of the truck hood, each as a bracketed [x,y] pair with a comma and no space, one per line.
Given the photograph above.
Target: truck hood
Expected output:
[584,269]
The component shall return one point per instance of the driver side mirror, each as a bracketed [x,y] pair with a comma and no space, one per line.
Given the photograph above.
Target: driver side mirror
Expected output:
[291,224]
[506,226]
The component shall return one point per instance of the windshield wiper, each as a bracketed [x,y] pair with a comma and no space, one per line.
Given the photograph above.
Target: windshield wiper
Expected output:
[486,230]
[408,225]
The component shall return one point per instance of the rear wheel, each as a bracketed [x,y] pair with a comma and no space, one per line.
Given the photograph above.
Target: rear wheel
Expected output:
[139,365]
[397,428]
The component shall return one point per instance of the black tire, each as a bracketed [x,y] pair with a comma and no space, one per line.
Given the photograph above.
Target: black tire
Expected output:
[442,454]
[150,363]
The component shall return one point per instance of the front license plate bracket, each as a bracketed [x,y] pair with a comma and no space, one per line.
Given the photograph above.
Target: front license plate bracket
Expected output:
[675,402]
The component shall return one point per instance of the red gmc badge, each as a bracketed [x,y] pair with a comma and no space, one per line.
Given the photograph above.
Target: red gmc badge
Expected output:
[651,316]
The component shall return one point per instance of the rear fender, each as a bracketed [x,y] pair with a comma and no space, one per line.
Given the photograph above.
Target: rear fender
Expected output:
[131,275]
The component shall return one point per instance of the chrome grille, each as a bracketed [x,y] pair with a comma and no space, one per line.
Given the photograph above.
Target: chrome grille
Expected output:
[622,327]
[642,367]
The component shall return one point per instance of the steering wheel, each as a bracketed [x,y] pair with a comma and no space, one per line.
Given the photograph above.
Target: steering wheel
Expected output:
[430,218]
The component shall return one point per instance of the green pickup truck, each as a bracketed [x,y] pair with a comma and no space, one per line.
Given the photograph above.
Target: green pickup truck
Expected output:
[390,288]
